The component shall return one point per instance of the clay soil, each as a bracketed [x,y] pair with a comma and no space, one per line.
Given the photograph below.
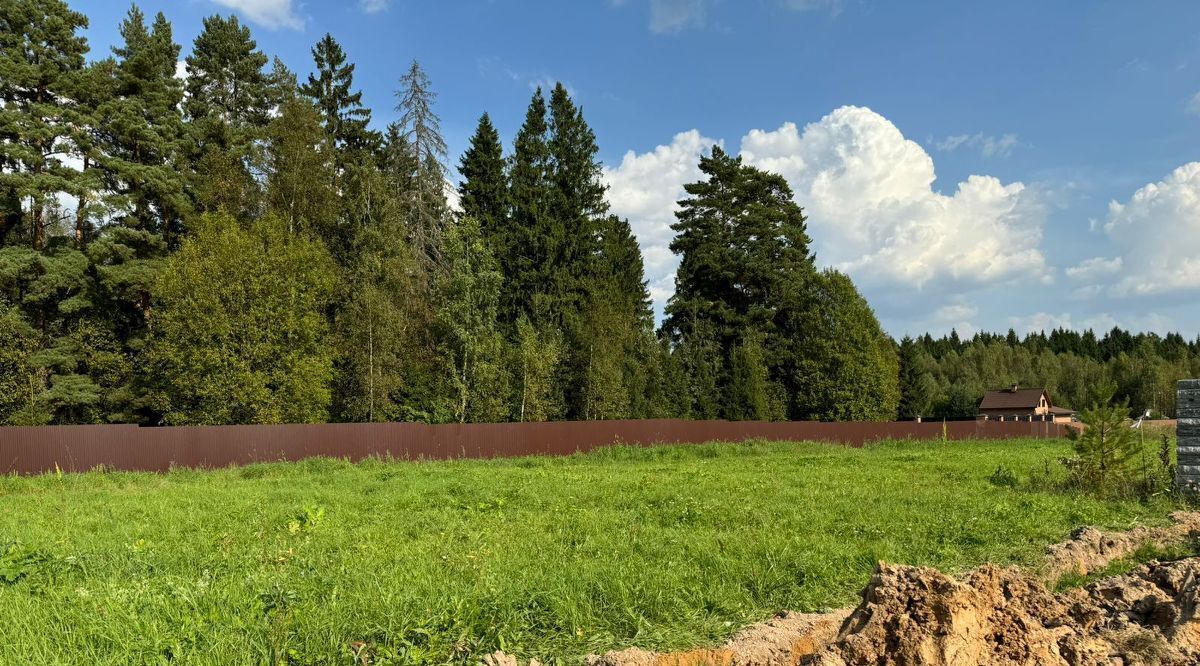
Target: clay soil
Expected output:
[991,616]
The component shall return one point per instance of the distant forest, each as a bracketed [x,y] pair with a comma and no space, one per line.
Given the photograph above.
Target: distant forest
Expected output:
[241,244]
[946,377]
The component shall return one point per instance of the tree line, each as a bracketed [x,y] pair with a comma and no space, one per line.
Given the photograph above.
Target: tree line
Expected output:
[242,244]
[946,377]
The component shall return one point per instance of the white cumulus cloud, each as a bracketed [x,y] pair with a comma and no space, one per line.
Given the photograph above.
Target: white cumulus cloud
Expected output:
[1158,234]
[645,188]
[273,14]
[873,212]
[868,193]
[373,6]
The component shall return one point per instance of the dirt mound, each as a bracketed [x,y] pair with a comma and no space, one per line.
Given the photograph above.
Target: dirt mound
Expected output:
[1001,617]
[993,616]
[1090,549]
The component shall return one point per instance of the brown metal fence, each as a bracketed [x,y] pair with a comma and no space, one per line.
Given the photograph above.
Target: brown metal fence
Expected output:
[129,447]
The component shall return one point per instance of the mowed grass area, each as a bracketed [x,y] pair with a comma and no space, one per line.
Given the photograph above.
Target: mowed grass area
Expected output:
[321,561]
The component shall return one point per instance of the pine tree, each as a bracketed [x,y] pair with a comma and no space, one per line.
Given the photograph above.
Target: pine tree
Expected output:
[484,189]
[54,289]
[420,136]
[745,268]
[227,105]
[141,129]
[1106,447]
[41,72]
[330,88]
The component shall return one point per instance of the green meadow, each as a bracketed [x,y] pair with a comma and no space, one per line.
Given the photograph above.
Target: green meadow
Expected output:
[388,562]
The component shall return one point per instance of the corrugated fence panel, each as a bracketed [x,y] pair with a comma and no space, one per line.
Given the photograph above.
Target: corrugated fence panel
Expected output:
[128,447]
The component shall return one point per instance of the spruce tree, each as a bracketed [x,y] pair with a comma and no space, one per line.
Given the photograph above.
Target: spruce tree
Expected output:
[483,192]
[576,203]
[916,384]
[331,89]
[527,254]
[418,133]
[41,72]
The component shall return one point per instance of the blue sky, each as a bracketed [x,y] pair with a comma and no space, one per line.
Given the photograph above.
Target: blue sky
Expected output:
[977,165]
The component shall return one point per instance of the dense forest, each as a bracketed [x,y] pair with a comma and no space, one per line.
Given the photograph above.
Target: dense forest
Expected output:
[244,244]
[946,377]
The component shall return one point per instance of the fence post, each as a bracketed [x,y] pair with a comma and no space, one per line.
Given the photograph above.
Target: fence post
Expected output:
[1187,431]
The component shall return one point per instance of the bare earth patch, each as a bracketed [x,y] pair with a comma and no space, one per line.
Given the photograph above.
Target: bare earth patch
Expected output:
[992,616]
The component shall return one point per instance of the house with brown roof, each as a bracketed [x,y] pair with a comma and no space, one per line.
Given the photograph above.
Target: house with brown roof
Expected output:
[1018,404]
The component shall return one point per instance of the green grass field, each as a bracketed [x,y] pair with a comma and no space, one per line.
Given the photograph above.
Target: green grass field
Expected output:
[670,547]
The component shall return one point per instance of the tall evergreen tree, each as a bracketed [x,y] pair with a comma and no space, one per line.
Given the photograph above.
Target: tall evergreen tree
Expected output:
[42,121]
[575,207]
[917,387]
[140,134]
[483,192]
[744,267]
[331,89]
[419,135]
[526,256]
[228,107]
[141,128]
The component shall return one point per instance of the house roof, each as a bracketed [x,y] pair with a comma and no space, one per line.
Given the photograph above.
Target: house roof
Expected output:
[1010,399]
[1061,411]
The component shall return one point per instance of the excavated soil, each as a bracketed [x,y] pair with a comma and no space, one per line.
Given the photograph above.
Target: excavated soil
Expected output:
[992,616]
[1090,549]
